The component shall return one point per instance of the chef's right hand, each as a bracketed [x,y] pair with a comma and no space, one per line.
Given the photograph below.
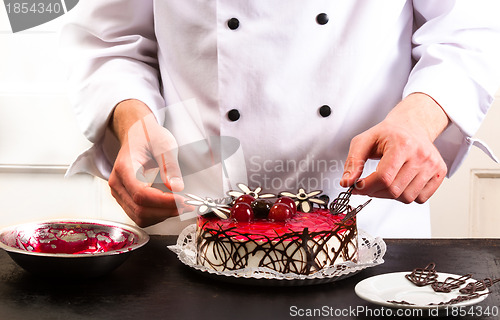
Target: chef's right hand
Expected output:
[146,149]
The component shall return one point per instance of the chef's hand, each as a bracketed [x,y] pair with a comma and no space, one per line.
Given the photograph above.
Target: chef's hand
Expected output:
[410,167]
[146,148]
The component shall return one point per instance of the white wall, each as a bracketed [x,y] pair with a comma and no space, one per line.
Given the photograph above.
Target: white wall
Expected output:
[39,137]
[467,205]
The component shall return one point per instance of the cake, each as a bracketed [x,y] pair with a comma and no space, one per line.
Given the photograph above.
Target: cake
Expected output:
[289,233]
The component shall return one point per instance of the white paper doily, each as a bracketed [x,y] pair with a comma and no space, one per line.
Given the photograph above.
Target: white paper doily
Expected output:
[371,253]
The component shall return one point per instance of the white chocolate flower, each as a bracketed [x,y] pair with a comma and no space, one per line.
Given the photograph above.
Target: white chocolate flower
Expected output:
[246,190]
[305,200]
[205,205]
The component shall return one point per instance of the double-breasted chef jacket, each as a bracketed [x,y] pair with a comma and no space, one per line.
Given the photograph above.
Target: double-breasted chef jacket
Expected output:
[293,81]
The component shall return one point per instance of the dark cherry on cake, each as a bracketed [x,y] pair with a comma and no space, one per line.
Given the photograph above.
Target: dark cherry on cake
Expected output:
[261,208]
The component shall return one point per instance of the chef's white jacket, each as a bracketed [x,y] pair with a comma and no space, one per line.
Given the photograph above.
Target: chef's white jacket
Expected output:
[293,81]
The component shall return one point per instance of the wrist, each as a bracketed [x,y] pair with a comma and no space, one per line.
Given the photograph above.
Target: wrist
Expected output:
[125,114]
[420,111]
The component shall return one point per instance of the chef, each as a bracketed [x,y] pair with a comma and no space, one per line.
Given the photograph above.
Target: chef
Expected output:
[286,94]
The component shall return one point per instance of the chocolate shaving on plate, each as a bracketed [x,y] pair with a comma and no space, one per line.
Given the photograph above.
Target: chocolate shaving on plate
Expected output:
[428,275]
[479,285]
[459,299]
[450,283]
[422,277]
[402,302]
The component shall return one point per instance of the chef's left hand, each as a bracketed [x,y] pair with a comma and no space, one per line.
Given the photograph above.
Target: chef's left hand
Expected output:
[410,168]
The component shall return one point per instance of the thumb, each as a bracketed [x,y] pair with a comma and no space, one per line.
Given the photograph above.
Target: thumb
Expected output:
[165,151]
[170,171]
[359,151]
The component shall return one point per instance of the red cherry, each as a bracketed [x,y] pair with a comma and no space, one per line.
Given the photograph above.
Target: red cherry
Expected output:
[246,198]
[289,202]
[242,212]
[280,212]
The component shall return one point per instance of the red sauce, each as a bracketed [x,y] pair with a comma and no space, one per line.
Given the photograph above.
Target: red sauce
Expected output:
[317,221]
[73,239]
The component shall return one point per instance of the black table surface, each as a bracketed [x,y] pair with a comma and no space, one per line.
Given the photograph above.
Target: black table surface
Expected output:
[153,284]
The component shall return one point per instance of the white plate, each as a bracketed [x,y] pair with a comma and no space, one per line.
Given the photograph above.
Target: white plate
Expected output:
[371,253]
[395,287]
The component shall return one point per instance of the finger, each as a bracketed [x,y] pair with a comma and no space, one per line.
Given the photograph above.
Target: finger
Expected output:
[380,181]
[165,152]
[170,171]
[137,211]
[145,216]
[408,182]
[141,193]
[148,139]
[405,193]
[360,150]
[432,185]
[413,190]
[142,215]
[424,184]
[423,179]
[147,172]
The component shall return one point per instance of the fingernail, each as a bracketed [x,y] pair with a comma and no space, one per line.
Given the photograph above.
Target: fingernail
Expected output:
[360,184]
[346,175]
[176,184]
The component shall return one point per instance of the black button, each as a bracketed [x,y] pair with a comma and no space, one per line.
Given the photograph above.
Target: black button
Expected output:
[233,23]
[325,111]
[322,18]
[233,115]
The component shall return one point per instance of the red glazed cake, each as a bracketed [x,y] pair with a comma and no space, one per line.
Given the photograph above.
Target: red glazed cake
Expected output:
[293,233]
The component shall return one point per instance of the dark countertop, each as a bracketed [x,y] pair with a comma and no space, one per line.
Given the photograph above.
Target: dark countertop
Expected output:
[153,284]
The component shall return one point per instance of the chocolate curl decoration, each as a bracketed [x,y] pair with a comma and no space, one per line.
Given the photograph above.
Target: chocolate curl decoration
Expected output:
[479,285]
[403,302]
[459,299]
[341,204]
[422,277]
[450,283]
[352,213]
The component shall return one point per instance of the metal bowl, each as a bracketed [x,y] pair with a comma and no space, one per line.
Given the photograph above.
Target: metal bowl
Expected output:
[71,248]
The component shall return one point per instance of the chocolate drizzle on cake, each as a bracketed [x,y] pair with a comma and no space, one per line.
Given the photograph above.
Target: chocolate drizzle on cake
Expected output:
[299,244]
[293,252]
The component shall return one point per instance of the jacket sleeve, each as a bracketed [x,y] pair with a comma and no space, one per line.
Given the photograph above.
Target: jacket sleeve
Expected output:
[456,50]
[111,52]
